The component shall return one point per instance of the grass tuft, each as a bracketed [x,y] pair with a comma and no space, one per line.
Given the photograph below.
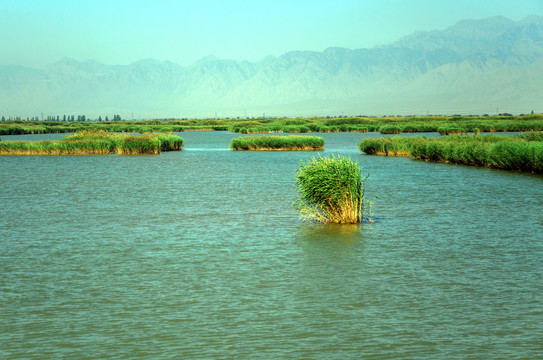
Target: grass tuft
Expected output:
[330,190]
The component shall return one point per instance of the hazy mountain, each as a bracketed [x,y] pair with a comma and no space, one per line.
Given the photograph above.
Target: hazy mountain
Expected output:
[475,66]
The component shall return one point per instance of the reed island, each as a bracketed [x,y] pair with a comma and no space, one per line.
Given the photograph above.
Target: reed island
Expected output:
[95,143]
[278,143]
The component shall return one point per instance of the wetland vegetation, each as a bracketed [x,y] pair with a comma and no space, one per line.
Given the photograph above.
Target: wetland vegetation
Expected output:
[330,190]
[278,143]
[445,125]
[523,152]
[95,143]
[503,152]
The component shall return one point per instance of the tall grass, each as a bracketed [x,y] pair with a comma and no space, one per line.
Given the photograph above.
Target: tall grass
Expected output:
[278,143]
[95,143]
[446,125]
[521,153]
[392,125]
[330,190]
[170,142]
[395,146]
[500,152]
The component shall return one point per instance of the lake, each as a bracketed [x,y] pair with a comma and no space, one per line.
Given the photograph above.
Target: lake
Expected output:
[198,254]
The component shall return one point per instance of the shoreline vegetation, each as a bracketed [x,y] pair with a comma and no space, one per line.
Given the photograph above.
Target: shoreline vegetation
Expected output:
[461,141]
[95,143]
[445,125]
[278,143]
[523,152]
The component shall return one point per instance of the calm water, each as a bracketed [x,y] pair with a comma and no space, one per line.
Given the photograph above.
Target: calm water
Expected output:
[197,254]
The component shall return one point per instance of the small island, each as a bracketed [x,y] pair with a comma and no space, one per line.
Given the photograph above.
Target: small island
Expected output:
[278,143]
[95,143]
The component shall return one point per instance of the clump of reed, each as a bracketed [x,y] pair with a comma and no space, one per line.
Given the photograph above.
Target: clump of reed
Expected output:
[520,153]
[500,152]
[95,143]
[390,129]
[330,190]
[60,147]
[452,130]
[395,146]
[170,142]
[278,143]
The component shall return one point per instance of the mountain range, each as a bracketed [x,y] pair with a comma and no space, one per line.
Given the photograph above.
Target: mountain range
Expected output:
[490,66]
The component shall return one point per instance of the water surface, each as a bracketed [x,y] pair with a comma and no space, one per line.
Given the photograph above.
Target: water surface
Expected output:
[198,254]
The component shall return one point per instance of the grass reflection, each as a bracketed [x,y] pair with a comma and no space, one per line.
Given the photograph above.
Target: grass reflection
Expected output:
[331,233]
[331,251]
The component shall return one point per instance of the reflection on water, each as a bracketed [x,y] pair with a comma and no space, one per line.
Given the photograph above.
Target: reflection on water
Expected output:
[198,254]
[341,233]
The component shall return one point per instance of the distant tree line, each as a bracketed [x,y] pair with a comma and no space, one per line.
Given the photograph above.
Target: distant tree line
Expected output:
[65,118]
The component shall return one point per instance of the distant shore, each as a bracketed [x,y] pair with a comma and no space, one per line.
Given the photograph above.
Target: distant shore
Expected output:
[445,125]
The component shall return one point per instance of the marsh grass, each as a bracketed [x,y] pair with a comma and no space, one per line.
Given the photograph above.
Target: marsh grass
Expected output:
[387,125]
[395,146]
[446,125]
[330,190]
[95,143]
[298,142]
[521,153]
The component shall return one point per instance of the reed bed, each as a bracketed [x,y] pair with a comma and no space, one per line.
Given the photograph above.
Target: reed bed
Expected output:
[274,143]
[330,190]
[395,146]
[95,143]
[446,125]
[520,153]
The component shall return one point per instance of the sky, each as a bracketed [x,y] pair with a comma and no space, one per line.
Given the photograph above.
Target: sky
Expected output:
[118,32]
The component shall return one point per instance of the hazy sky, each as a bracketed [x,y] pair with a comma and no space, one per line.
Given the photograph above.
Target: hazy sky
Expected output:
[39,32]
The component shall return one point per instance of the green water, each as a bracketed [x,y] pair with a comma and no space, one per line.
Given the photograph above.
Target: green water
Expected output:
[198,255]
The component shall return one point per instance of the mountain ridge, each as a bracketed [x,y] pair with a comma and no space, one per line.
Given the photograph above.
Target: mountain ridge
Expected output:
[473,66]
